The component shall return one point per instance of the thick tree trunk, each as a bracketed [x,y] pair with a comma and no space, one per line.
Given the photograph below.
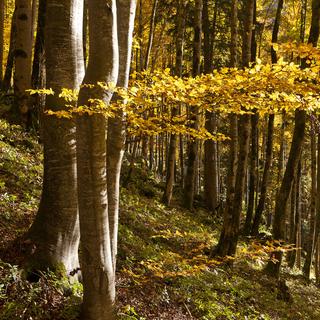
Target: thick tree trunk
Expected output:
[22,58]
[97,227]
[55,231]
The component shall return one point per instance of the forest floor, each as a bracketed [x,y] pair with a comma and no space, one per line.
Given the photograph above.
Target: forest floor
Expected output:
[165,268]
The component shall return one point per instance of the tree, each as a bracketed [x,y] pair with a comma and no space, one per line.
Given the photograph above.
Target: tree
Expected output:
[55,231]
[96,191]
[294,157]
[193,152]
[231,224]
[22,58]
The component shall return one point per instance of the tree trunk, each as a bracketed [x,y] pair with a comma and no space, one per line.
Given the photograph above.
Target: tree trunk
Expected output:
[151,34]
[193,152]
[311,233]
[210,147]
[6,84]
[294,156]
[180,25]
[116,128]
[282,198]
[38,70]
[55,230]
[2,12]
[97,227]
[252,174]
[22,58]
[265,178]
[275,31]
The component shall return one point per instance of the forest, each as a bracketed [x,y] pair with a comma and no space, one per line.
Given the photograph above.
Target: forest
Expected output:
[159,159]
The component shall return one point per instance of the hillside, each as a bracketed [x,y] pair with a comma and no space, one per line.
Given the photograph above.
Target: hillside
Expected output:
[165,267]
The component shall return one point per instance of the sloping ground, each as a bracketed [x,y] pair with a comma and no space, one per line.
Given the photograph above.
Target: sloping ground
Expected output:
[165,270]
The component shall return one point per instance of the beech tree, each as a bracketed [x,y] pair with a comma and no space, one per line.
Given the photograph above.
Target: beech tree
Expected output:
[22,57]
[98,193]
[55,231]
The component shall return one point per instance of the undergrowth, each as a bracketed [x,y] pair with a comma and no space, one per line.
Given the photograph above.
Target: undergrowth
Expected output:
[165,265]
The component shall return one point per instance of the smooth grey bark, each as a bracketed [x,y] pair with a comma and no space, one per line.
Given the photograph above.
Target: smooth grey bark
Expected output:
[116,129]
[22,59]
[95,224]
[55,231]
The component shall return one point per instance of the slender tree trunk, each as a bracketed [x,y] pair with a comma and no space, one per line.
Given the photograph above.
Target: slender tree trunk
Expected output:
[311,233]
[97,227]
[6,84]
[234,33]
[116,129]
[252,174]
[193,152]
[2,12]
[294,156]
[286,187]
[229,236]
[55,231]
[275,31]
[22,59]
[180,25]
[265,178]
[210,147]
[151,33]
[38,69]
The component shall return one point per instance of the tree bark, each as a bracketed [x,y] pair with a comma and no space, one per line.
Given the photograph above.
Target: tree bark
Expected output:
[22,59]
[6,84]
[151,33]
[275,31]
[38,70]
[273,268]
[95,224]
[252,174]
[210,147]
[180,25]
[311,233]
[193,152]
[2,12]
[116,129]
[55,231]
[265,178]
